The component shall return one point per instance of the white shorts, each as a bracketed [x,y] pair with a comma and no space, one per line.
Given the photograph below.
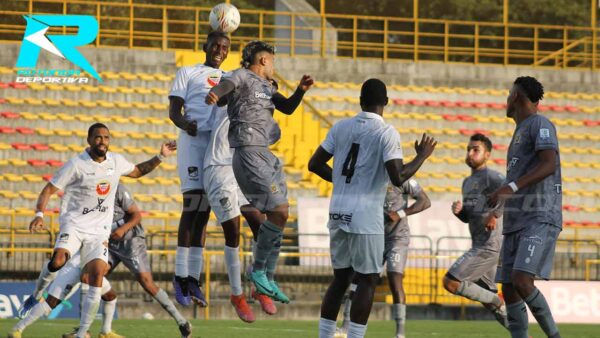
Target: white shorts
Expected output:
[66,278]
[190,159]
[224,195]
[89,246]
[361,252]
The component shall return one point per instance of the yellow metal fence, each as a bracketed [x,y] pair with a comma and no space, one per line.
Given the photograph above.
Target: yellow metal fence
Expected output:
[167,27]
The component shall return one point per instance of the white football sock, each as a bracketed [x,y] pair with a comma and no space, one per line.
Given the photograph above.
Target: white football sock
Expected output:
[181,261]
[232,260]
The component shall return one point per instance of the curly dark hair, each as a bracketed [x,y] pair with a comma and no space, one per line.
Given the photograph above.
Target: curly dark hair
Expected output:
[531,87]
[252,48]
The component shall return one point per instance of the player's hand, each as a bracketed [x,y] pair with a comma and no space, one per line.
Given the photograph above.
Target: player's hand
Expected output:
[118,234]
[426,146]
[37,224]
[168,148]
[457,207]
[211,98]
[394,217]
[491,223]
[306,82]
[191,128]
[499,196]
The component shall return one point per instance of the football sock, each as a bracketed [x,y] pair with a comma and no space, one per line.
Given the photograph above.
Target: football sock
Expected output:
[232,260]
[517,320]
[181,261]
[163,299]
[356,330]
[267,235]
[541,311]
[195,262]
[475,292]
[399,315]
[326,328]
[39,310]
[108,312]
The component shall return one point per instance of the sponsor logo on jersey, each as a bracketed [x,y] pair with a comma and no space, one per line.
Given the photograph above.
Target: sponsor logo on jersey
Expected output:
[193,172]
[345,218]
[225,203]
[213,79]
[513,162]
[98,207]
[260,95]
[274,188]
[517,139]
[63,238]
[103,188]
[544,133]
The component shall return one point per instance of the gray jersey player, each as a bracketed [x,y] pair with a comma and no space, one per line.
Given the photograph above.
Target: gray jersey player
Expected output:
[473,274]
[532,208]
[252,97]
[127,245]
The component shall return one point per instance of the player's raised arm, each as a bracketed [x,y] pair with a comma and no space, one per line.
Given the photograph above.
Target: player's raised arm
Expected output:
[399,172]
[288,105]
[143,168]
[318,164]
[37,223]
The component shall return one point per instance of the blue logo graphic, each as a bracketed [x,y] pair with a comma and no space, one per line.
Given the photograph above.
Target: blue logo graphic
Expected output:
[60,45]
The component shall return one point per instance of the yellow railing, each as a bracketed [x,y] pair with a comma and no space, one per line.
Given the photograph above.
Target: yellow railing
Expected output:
[169,27]
[588,267]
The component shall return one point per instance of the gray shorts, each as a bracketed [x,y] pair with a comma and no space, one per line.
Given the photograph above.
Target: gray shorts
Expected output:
[530,250]
[360,252]
[260,176]
[395,255]
[132,253]
[476,264]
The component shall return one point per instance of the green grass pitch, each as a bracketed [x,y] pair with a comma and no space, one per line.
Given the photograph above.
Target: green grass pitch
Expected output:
[290,329]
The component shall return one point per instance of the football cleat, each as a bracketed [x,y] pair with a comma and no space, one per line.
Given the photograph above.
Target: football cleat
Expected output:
[266,303]
[196,293]
[242,308]
[182,295]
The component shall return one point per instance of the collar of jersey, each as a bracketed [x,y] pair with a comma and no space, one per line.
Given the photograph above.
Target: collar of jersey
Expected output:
[369,115]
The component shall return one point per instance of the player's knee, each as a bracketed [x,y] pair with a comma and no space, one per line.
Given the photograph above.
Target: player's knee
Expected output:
[450,285]
[58,260]
[52,301]
[522,282]
[109,296]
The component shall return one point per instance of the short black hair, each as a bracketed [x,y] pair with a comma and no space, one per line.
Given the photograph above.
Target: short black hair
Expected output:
[373,93]
[531,87]
[252,48]
[483,139]
[95,126]
[215,35]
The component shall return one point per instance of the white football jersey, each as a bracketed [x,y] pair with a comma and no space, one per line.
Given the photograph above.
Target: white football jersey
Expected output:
[360,147]
[192,84]
[218,151]
[89,189]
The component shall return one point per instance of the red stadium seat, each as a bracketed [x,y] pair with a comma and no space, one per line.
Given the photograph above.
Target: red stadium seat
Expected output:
[571,208]
[399,102]
[449,117]
[591,123]
[497,105]
[10,115]
[21,146]
[572,109]
[432,103]
[55,163]
[37,163]
[40,146]
[499,161]
[7,130]
[500,147]
[416,102]
[480,105]
[4,85]
[17,85]
[448,104]
[466,118]
[25,130]
[47,177]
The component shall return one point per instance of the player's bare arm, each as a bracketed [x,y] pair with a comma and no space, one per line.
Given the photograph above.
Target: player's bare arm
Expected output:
[545,167]
[289,105]
[399,172]
[133,217]
[37,224]
[421,203]
[175,107]
[143,168]
[318,164]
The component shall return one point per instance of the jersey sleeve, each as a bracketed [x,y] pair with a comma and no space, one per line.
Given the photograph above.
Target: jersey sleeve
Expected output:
[124,198]
[412,188]
[543,134]
[329,143]
[124,167]
[66,175]
[392,146]
[236,77]
[180,84]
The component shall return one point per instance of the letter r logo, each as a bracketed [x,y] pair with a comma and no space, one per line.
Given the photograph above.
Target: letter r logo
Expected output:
[61,45]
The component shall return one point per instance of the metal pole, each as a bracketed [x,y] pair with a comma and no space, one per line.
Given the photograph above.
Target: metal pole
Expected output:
[505,12]
[594,25]
[416,23]
[323,25]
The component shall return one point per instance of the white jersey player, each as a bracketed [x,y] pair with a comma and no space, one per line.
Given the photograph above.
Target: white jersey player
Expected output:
[188,92]
[89,181]
[366,153]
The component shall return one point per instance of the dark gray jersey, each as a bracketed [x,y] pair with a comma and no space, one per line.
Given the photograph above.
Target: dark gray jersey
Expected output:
[250,110]
[124,200]
[541,202]
[475,190]
[396,199]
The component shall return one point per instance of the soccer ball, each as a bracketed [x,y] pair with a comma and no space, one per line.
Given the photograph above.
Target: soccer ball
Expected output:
[224,18]
[147,316]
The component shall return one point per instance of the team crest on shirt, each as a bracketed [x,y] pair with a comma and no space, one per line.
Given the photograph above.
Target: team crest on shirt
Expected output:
[213,79]
[225,203]
[274,188]
[103,188]
[63,238]
[193,172]
[517,139]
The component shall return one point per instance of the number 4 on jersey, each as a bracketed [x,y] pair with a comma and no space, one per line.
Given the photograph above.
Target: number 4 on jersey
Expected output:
[350,162]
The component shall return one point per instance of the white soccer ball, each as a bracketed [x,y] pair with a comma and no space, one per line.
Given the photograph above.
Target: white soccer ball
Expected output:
[147,316]
[224,18]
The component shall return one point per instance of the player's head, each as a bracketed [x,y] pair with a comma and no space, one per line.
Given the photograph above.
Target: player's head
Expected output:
[526,91]
[216,49]
[98,139]
[479,150]
[373,96]
[259,54]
